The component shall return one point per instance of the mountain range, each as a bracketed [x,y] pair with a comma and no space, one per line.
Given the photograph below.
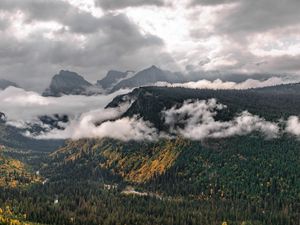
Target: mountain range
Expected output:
[71,83]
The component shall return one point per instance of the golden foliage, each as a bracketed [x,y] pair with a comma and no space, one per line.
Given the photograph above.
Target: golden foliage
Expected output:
[139,167]
[14,173]
[8,218]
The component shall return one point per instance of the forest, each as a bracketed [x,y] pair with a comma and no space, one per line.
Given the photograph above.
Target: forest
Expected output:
[245,180]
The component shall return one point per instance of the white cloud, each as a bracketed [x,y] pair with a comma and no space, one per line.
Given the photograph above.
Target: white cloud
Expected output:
[293,125]
[109,126]
[21,105]
[219,84]
[89,119]
[195,120]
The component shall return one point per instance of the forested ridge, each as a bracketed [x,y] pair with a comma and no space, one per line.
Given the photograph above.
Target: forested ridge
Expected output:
[271,103]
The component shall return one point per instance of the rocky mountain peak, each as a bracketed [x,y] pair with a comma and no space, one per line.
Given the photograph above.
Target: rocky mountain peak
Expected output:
[68,83]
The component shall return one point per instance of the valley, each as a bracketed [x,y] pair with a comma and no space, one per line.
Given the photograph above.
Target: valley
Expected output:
[238,179]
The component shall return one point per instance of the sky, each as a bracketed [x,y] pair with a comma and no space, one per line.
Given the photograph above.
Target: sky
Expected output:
[40,37]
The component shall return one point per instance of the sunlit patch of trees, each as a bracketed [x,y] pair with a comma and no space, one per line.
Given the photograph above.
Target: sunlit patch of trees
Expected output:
[8,217]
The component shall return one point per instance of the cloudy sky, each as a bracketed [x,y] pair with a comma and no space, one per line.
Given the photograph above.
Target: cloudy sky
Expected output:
[40,37]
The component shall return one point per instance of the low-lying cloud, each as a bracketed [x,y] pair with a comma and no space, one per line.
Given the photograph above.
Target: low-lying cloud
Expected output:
[196,121]
[293,125]
[21,105]
[219,84]
[110,126]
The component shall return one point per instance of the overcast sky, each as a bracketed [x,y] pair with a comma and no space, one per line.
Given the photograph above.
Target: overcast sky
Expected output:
[40,37]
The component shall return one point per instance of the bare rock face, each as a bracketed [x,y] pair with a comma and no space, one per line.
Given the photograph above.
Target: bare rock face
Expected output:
[69,83]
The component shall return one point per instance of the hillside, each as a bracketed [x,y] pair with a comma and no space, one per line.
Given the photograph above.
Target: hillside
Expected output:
[14,173]
[184,161]
[142,161]
[241,172]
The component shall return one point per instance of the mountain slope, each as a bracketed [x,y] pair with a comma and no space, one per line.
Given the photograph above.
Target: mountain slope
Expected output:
[144,161]
[112,77]
[234,166]
[134,161]
[14,173]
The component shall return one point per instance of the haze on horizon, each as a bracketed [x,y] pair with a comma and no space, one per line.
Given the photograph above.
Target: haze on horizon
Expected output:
[40,37]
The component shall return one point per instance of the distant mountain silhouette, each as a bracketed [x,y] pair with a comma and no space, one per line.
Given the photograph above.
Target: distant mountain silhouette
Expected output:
[6,83]
[112,77]
[69,83]
[149,76]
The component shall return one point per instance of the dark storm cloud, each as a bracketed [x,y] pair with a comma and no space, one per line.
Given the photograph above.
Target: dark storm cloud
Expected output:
[117,39]
[111,5]
[285,63]
[111,41]
[31,52]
